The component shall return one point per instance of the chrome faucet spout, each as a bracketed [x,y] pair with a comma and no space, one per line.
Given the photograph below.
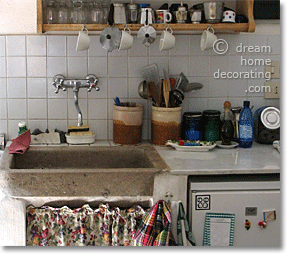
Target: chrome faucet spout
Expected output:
[89,82]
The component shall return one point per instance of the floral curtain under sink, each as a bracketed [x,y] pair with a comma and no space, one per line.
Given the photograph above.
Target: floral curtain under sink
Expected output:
[48,226]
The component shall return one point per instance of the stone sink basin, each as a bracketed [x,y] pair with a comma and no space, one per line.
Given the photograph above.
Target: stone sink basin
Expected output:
[78,171]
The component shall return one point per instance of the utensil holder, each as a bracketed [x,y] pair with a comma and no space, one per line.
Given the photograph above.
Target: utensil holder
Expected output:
[165,124]
[127,124]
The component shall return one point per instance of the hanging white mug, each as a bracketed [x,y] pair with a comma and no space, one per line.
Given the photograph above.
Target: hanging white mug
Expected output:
[167,40]
[207,39]
[126,39]
[83,40]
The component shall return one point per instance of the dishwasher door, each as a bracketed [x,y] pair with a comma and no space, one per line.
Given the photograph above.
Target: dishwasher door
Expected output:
[249,201]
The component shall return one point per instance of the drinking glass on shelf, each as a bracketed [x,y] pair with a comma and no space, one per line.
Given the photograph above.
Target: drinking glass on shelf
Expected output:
[50,12]
[105,7]
[96,13]
[78,12]
[63,17]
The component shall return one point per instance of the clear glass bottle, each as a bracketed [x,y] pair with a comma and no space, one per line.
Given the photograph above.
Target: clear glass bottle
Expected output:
[245,126]
[78,13]
[227,128]
[63,17]
[51,12]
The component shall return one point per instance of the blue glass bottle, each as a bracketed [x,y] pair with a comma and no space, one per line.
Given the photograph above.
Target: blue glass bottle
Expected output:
[245,126]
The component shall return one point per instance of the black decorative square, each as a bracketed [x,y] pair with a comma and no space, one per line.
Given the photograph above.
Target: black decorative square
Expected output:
[203,202]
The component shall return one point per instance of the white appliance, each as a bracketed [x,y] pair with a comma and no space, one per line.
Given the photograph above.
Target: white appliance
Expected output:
[252,198]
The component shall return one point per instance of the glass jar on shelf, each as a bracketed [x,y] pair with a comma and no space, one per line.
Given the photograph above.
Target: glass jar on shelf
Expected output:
[50,12]
[96,13]
[63,12]
[78,12]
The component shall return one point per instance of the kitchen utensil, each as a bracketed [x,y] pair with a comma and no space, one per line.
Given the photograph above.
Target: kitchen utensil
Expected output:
[166,92]
[167,39]
[163,16]
[207,39]
[181,14]
[117,101]
[181,82]
[152,87]
[132,13]
[83,40]
[176,97]
[150,73]
[126,39]
[213,11]
[142,90]
[146,13]
[147,34]
[228,15]
[192,87]
[195,15]
[119,13]
[110,37]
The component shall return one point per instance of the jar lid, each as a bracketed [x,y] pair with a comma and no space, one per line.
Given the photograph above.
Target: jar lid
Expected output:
[21,124]
[181,8]
[211,113]
[270,118]
[193,114]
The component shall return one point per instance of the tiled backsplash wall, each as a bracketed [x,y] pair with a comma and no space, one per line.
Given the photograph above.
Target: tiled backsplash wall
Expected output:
[29,62]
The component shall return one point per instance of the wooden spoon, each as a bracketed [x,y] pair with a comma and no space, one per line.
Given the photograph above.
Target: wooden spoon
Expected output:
[166,92]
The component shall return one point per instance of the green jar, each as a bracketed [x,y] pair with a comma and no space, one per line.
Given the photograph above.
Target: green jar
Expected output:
[211,125]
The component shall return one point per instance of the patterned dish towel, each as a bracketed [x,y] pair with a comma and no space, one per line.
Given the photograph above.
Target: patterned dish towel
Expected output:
[155,227]
[184,234]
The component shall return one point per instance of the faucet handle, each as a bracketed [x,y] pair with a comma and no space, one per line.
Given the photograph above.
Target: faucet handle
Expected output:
[92,81]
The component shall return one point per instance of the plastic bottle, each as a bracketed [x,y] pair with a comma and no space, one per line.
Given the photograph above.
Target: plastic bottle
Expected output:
[245,126]
[21,127]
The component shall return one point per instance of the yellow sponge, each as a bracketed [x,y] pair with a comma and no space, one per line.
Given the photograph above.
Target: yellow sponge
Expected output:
[87,133]
[83,128]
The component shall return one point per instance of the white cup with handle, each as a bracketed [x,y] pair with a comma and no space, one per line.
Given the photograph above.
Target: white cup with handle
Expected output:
[126,39]
[167,40]
[83,40]
[207,39]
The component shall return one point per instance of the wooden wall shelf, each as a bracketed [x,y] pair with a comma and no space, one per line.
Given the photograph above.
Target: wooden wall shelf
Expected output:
[242,7]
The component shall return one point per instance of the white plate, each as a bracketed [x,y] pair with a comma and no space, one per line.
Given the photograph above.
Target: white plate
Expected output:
[191,148]
[233,144]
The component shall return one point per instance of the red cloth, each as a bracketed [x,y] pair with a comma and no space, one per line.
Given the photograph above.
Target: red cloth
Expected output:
[20,144]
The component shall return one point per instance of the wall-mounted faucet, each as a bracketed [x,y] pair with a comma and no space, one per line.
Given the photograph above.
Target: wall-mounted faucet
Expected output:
[89,82]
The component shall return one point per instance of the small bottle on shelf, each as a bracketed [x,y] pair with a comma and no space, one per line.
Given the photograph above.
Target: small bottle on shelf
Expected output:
[227,129]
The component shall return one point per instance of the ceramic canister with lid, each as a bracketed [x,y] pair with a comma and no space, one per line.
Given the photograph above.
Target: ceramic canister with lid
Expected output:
[211,125]
[192,126]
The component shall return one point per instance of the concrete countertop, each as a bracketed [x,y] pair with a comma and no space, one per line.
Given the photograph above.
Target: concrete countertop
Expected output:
[258,159]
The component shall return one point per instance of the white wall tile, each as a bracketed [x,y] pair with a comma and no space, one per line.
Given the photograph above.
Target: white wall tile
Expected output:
[37,109]
[15,45]
[133,87]
[118,66]
[56,46]
[274,41]
[198,104]
[61,125]
[138,49]
[97,66]
[217,103]
[199,66]
[2,67]
[162,63]
[77,67]
[154,49]
[181,47]
[195,49]
[3,127]
[203,92]
[16,67]
[178,65]
[36,87]
[3,109]
[99,128]
[17,108]
[36,45]
[57,109]
[2,46]
[118,87]
[135,64]
[13,128]
[56,65]
[3,93]
[36,67]
[16,87]
[97,109]
[37,124]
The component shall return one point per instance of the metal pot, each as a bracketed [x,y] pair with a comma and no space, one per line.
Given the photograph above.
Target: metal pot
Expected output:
[213,11]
